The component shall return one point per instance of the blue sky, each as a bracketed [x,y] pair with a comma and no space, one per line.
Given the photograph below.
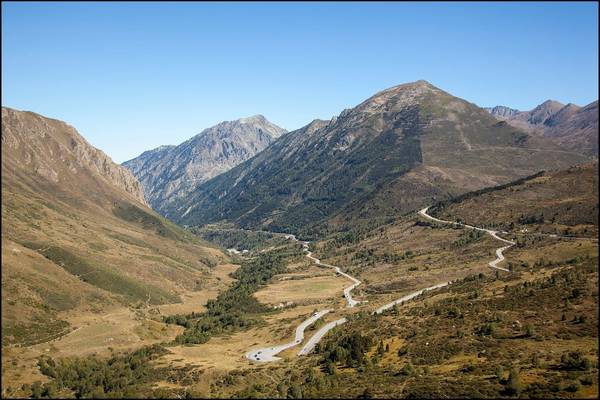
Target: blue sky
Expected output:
[133,76]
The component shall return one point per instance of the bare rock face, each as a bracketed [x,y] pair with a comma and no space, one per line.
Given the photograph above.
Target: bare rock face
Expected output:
[168,173]
[56,152]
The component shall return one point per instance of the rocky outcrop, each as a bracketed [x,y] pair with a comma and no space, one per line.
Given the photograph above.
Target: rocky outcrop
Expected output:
[168,173]
[56,151]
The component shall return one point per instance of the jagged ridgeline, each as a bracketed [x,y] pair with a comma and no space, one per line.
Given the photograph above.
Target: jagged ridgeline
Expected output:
[403,148]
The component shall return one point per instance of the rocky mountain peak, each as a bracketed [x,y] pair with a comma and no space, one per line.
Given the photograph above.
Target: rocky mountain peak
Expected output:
[544,111]
[169,172]
[389,100]
[247,126]
[408,91]
[550,104]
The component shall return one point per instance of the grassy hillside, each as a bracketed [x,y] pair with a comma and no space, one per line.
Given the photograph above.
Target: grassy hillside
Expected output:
[76,240]
[563,202]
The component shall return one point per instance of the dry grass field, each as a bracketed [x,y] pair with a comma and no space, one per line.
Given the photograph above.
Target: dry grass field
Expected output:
[108,330]
[317,284]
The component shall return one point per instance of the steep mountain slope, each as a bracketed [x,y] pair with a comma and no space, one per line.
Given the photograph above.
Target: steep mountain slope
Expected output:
[168,173]
[572,127]
[54,150]
[396,151]
[77,236]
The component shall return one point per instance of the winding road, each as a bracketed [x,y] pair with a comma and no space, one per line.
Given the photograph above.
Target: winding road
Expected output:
[268,353]
[347,295]
[494,234]
[316,338]
[409,297]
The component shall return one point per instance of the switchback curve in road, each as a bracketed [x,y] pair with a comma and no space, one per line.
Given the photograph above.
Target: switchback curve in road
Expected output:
[316,338]
[351,302]
[499,256]
[267,354]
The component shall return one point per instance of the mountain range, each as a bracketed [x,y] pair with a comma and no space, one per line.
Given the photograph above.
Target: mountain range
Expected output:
[170,173]
[570,126]
[400,149]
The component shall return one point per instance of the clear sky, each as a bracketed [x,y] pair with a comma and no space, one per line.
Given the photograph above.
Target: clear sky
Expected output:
[133,76]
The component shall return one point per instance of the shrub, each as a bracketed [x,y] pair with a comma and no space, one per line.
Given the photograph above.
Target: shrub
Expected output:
[294,392]
[454,312]
[513,385]
[574,361]
[407,369]
[529,332]
[500,373]
[572,387]
[486,329]
[586,380]
[36,390]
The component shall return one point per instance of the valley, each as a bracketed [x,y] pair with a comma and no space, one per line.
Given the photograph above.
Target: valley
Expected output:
[299,200]
[407,287]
